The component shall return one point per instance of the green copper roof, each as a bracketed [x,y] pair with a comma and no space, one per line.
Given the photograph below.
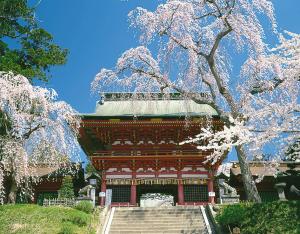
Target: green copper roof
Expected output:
[152,108]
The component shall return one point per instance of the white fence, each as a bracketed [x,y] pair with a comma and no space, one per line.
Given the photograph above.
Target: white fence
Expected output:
[59,202]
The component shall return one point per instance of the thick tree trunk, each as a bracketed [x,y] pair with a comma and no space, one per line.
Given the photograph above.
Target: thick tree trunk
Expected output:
[12,196]
[249,185]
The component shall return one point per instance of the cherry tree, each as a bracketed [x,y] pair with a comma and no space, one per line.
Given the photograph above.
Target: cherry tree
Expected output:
[35,129]
[192,44]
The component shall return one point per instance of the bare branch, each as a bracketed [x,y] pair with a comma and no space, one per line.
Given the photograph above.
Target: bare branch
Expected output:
[32,130]
[168,84]
[206,15]
[218,39]
[185,47]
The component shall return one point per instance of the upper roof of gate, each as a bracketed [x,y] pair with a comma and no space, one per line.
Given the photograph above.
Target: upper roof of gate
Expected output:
[152,105]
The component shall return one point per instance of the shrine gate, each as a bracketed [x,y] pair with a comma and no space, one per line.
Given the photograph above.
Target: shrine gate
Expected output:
[135,146]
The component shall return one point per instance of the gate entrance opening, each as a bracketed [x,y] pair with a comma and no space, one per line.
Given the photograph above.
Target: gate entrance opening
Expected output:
[158,188]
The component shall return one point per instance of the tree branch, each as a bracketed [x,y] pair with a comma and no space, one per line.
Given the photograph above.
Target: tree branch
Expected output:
[32,130]
[218,40]
[211,62]
[178,42]
[193,96]
[206,15]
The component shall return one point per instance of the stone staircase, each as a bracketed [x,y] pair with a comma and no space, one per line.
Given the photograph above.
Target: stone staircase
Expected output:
[173,220]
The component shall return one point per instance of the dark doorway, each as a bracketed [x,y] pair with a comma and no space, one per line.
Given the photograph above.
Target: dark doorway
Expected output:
[157,188]
[120,193]
[195,193]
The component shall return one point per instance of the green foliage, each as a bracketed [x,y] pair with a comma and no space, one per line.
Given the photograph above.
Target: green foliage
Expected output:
[269,196]
[46,195]
[90,169]
[293,151]
[77,219]
[67,188]
[66,228]
[232,215]
[23,219]
[25,48]
[85,206]
[79,180]
[260,218]
[23,198]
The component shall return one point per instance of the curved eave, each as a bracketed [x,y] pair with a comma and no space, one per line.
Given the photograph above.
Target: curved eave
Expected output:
[168,116]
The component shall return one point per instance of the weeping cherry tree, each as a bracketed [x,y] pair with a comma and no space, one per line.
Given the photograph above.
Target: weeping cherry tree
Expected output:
[192,44]
[35,129]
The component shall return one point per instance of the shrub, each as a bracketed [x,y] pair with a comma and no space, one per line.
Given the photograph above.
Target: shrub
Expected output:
[46,195]
[231,215]
[85,206]
[260,218]
[67,189]
[77,219]
[80,220]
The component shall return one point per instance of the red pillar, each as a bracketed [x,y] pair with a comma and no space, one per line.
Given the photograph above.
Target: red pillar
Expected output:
[210,185]
[133,190]
[103,189]
[180,190]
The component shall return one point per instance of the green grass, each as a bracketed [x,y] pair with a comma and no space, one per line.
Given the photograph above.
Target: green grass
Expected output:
[34,219]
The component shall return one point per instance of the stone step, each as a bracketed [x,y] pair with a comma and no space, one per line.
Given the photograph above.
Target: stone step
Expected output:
[121,224]
[157,222]
[178,217]
[158,225]
[136,220]
[198,230]
[174,208]
[158,211]
[156,228]
[159,214]
[195,231]
[156,218]
[159,208]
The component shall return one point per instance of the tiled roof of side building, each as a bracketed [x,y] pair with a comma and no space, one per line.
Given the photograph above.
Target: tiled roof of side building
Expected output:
[264,168]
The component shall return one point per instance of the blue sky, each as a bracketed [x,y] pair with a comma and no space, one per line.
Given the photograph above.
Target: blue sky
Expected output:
[96,33]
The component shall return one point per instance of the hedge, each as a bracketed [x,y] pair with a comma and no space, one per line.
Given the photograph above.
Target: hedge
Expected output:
[260,218]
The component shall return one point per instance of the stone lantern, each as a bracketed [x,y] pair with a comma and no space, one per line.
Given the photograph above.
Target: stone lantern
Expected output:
[93,180]
[287,182]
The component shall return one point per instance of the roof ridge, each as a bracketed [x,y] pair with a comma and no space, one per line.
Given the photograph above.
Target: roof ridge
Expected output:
[116,96]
